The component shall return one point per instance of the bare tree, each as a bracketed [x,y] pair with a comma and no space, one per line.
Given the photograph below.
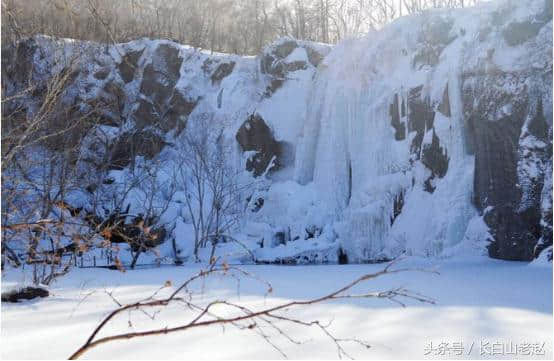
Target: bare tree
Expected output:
[37,176]
[209,184]
[238,26]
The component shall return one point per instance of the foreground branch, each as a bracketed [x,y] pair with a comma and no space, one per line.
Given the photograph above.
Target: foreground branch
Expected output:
[247,318]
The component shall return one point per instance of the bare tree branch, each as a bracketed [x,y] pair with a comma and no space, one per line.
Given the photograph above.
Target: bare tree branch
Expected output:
[252,317]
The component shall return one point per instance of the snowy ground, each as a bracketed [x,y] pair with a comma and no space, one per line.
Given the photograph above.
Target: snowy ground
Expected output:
[493,305]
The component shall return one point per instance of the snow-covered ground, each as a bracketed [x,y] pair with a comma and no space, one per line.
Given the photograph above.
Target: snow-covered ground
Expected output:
[492,305]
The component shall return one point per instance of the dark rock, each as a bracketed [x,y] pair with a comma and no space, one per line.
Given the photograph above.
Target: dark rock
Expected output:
[513,240]
[273,63]
[285,48]
[434,157]
[149,81]
[180,108]
[295,65]
[545,241]
[109,105]
[172,115]
[538,126]
[27,293]
[428,185]
[349,198]
[420,118]
[102,74]
[220,98]
[91,188]
[138,143]
[495,143]
[281,237]
[128,66]
[399,127]
[280,261]
[223,70]
[397,206]
[258,204]
[496,163]
[444,106]
[287,154]
[279,70]
[255,135]
[312,231]
[208,64]
[266,62]
[509,195]
[162,105]
[517,33]
[273,87]
[17,61]
[116,102]
[156,85]
[168,60]
[342,257]
[146,114]
[160,76]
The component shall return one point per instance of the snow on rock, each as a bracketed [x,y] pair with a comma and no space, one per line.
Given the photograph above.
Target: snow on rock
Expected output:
[373,117]
[431,137]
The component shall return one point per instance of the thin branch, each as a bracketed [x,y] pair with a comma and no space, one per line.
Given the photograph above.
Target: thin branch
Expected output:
[248,315]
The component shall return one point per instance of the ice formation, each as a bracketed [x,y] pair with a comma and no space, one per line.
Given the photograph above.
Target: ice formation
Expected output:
[379,143]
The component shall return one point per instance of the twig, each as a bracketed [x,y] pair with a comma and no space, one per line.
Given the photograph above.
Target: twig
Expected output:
[268,315]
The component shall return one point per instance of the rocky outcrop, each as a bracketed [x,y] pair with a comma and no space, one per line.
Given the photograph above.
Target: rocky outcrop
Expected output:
[287,56]
[137,143]
[399,140]
[435,158]
[449,107]
[434,37]
[508,133]
[254,135]
[399,127]
[127,67]
[444,106]
[160,104]
[223,70]
[420,118]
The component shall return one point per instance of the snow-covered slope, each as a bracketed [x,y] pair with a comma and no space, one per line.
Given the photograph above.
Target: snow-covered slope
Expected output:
[431,137]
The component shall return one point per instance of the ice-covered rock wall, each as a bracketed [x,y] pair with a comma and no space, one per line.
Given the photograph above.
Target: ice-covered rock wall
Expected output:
[436,111]
[432,137]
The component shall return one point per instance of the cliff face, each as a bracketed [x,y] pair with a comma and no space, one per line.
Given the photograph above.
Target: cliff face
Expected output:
[431,137]
[449,111]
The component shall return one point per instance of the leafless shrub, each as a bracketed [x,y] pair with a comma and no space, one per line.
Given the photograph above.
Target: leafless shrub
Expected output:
[209,184]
